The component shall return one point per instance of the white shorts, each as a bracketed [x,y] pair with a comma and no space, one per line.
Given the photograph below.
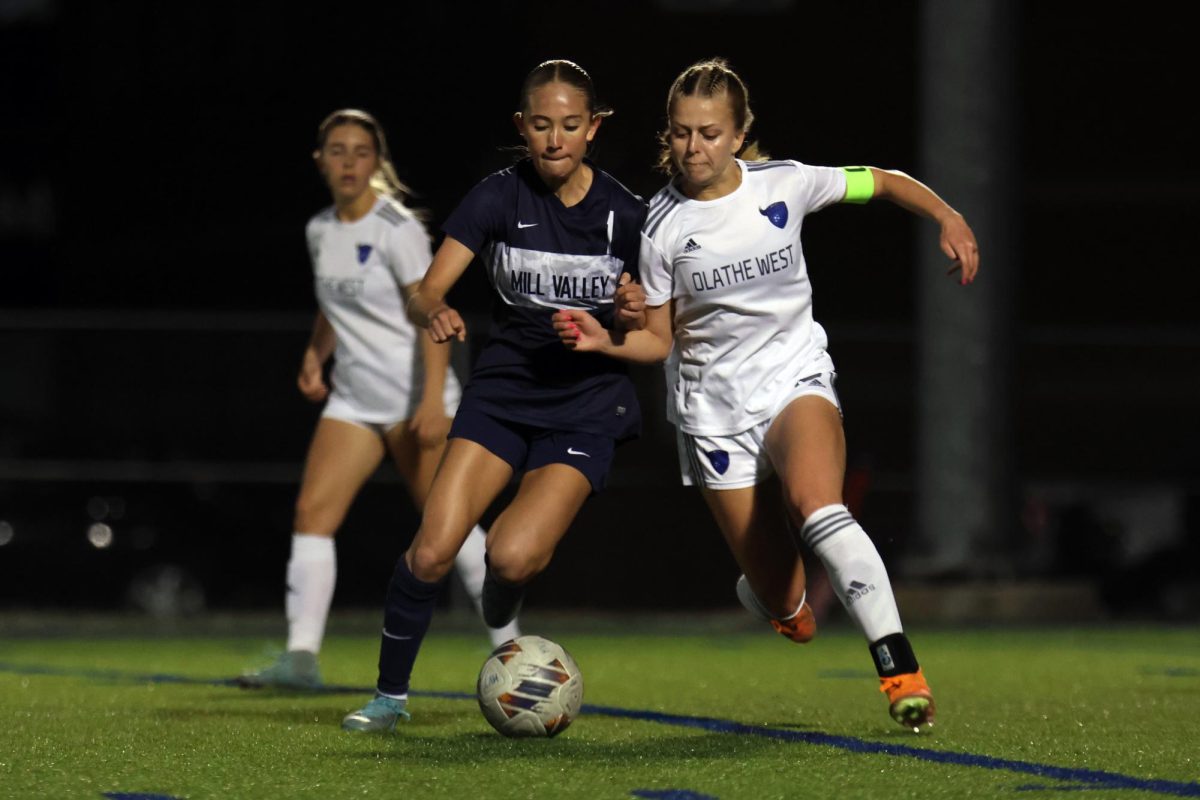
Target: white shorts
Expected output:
[341,406]
[740,459]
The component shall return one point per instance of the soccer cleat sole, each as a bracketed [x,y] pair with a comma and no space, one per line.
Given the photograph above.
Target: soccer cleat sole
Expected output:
[913,712]
[911,702]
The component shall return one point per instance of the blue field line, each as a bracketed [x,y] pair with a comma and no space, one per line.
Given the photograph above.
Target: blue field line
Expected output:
[1096,779]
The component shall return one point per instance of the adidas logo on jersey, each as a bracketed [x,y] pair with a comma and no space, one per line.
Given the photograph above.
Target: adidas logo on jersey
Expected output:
[691,246]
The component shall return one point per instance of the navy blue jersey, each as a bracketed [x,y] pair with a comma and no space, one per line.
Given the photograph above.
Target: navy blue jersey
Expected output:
[542,256]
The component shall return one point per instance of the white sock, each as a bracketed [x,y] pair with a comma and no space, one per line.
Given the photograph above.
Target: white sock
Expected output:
[855,570]
[311,575]
[471,567]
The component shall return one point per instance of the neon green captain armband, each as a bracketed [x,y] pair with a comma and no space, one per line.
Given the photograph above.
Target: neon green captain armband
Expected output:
[860,184]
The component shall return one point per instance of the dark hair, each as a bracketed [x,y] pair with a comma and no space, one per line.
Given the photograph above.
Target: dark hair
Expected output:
[562,71]
[385,180]
[710,78]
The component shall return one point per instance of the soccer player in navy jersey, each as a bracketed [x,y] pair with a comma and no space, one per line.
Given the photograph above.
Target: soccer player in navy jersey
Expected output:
[554,232]
[728,297]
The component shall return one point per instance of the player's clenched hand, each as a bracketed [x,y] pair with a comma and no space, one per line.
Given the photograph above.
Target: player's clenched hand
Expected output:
[630,301]
[958,242]
[310,380]
[429,423]
[579,330]
[445,324]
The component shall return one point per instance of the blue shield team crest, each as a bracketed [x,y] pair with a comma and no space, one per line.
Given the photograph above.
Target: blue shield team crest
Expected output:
[719,459]
[776,212]
[364,252]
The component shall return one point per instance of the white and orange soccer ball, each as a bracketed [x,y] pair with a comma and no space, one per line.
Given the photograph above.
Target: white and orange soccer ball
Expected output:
[530,686]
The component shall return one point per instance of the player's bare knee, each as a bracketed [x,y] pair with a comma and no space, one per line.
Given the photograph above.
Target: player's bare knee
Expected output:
[801,502]
[514,564]
[311,517]
[429,563]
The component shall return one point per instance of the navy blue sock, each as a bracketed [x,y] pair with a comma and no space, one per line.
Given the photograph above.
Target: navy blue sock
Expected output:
[406,618]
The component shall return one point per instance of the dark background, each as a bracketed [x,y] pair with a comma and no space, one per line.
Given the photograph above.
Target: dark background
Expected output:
[155,291]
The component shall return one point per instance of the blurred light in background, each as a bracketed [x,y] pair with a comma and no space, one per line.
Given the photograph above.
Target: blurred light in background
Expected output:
[6,533]
[100,535]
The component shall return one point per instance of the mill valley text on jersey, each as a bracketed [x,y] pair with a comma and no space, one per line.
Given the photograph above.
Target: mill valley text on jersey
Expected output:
[560,288]
[541,256]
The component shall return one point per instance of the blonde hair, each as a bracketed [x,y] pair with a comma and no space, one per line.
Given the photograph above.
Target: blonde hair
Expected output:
[385,181]
[709,78]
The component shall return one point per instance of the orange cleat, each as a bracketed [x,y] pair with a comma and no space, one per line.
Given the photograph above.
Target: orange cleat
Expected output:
[800,628]
[911,701]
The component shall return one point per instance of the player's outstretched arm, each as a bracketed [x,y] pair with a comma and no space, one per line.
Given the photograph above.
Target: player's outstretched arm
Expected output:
[427,303]
[580,331]
[311,380]
[957,239]
[429,420]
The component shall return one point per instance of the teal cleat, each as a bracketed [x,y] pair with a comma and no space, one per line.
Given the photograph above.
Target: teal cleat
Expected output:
[378,716]
[295,669]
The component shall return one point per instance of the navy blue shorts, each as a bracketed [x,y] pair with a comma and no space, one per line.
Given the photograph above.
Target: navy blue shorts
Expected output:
[527,447]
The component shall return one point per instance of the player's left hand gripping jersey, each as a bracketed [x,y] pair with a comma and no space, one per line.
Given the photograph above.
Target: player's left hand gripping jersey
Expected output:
[542,256]
[358,270]
[743,303]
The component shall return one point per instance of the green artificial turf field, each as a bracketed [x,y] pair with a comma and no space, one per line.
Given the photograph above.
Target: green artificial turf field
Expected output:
[687,716]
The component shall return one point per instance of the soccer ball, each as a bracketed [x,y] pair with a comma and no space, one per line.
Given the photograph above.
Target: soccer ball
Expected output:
[530,686]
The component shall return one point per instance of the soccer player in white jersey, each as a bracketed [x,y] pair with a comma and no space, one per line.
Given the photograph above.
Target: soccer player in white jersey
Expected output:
[393,392]
[760,428]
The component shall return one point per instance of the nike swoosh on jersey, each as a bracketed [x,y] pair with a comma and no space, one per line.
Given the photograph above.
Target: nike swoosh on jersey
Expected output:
[526,224]
[571,451]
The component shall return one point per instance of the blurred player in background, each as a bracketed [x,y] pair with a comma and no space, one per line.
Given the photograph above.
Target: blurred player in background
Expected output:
[554,232]
[760,428]
[393,392]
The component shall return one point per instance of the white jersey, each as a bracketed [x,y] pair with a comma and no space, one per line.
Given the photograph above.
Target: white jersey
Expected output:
[743,303]
[359,269]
